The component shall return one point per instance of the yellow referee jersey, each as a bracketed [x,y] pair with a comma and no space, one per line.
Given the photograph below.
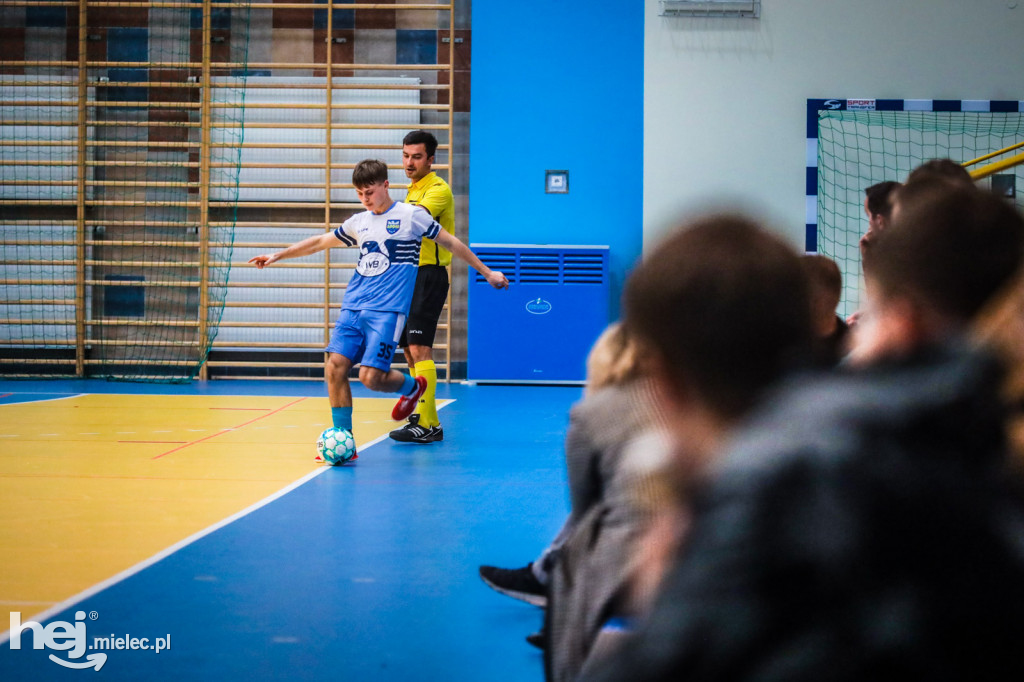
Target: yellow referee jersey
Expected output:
[434,194]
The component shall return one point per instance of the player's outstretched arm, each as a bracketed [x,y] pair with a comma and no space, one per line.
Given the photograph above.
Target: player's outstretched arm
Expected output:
[306,247]
[462,252]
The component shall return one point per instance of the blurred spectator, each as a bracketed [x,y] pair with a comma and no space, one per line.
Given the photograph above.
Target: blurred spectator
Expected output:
[930,176]
[943,169]
[619,405]
[1001,327]
[612,496]
[878,209]
[864,524]
[830,331]
[723,310]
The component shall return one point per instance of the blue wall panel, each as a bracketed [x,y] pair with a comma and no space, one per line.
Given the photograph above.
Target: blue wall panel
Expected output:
[562,90]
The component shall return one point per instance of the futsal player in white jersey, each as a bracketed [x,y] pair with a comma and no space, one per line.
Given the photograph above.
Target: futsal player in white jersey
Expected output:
[378,295]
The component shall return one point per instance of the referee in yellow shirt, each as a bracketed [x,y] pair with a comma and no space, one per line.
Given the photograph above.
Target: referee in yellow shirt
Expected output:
[432,193]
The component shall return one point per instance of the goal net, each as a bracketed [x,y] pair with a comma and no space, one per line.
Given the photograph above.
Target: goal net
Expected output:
[857,149]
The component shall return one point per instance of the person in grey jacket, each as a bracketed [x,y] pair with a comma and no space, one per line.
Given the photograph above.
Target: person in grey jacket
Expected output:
[593,563]
[619,405]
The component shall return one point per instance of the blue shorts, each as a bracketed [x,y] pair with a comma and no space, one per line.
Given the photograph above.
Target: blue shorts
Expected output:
[367,337]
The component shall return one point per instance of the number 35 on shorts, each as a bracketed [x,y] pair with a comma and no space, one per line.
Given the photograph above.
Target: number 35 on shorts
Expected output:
[387,350]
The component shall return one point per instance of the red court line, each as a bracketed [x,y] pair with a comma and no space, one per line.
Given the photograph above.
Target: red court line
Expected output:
[235,428]
[4,395]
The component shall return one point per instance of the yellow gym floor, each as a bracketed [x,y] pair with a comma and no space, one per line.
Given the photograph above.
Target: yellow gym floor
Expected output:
[91,485]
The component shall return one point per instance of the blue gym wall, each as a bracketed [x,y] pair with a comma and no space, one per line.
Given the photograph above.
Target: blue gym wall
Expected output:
[559,86]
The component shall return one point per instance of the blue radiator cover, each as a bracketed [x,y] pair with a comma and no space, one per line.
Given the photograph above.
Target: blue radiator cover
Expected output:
[542,327]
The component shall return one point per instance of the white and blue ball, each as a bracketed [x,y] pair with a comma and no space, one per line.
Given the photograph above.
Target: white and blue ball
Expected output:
[336,446]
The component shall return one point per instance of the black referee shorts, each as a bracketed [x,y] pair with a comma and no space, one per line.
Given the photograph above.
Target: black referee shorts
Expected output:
[427,302]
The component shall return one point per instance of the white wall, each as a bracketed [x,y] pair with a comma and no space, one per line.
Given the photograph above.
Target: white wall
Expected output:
[725,99]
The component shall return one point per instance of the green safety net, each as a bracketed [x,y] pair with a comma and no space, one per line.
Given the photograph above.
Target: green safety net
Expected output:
[116,219]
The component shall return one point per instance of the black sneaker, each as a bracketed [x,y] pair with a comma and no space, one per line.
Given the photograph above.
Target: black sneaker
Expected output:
[414,433]
[518,583]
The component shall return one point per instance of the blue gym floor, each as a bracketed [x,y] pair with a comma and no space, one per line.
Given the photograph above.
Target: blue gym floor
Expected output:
[364,572]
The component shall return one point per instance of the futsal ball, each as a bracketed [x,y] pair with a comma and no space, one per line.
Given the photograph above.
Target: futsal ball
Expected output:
[336,446]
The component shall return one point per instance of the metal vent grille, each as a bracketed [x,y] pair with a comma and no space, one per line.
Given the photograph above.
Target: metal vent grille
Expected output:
[546,267]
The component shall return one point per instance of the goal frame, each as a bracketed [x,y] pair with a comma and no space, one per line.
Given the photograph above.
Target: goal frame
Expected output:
[814,106]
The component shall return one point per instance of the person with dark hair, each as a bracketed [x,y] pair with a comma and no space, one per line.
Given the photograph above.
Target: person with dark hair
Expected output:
[878,208]
[946,169]
[415,139]
[433,194]
[735,293]
[877,202]
[739,322]
[376,300]
[865,524]
[739,317]
[929,177]
[956,247]
[830,331]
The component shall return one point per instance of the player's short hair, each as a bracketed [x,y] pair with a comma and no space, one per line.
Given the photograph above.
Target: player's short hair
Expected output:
[369,172]
[424,138]
[724,305]
[879,197]
[950,247]
[946,169]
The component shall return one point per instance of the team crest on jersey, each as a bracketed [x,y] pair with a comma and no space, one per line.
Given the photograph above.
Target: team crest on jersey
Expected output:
[373,260]
[392,226]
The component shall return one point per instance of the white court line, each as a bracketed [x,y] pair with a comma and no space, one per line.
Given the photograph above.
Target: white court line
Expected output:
[44,400]
[146,563]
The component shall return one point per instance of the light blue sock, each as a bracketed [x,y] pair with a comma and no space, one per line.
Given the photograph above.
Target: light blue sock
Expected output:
[342,418]
[409,386]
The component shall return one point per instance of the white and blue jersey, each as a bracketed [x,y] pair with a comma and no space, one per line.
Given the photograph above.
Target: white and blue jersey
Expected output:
[389,253]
